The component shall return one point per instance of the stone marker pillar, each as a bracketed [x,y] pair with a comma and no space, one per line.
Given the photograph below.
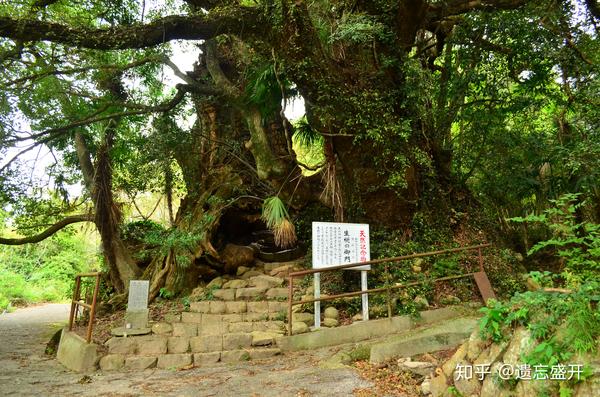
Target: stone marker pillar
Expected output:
[136,316]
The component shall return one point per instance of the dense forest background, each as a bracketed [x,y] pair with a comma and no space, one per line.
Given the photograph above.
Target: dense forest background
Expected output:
[436,122]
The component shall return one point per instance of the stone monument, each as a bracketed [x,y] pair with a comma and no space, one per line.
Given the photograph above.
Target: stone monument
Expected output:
[136,315]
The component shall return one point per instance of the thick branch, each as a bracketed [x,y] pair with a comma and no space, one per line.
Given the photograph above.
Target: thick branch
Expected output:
[48,232]
[445,9]
[173,27]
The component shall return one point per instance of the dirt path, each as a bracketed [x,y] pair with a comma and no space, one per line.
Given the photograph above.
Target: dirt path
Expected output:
[25,371]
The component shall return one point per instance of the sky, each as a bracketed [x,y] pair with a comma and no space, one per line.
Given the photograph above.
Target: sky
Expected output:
[184,55]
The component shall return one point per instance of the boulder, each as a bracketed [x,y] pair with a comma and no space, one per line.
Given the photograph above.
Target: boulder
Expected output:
[235,256]
[332,312]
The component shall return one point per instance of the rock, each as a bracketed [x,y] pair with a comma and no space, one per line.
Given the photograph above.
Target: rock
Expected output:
[236,283]
[258,307]
[259,354]
[235,307]
[260,338]
[201,359]
[332,312]
[251,273]
[112,362]
[152,345]
[466,387]
[277,307]
[357,317]
[417,367]
[521,344]
[275,293]
[197,293]
[298,327]
[235,256]
[224,294]
[450,300]
[532,285]
[310,290]
[217,307]
[235,356]
[438,385]
[139,363]
[172,317]
[421,303]
[330,322]
[241,270]
[246,327]
[206,343]
[450,365]
[174,360]
[118,345]
[178,344]
[192,317]
[215,283]
[264,281]
[249,293]
[200,307]
[416,269]
[475,345]
[307,318]
[281,271]
[185,329]
[236,341]
[162,328]
[491,354]
[426,387]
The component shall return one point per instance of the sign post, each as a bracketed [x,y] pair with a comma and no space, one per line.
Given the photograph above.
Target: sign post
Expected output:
[337,244]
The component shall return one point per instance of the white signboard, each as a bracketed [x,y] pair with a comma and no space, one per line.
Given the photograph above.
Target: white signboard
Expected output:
[336,244]
[138,295]
[339,244]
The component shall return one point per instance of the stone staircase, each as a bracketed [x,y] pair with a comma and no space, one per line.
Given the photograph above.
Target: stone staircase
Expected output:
[240,319]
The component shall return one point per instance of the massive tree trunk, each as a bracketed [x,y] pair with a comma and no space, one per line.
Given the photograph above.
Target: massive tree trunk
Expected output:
[98,180]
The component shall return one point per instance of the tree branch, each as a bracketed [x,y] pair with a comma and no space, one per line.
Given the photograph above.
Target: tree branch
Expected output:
[174,27]
[48,232]
[445,9]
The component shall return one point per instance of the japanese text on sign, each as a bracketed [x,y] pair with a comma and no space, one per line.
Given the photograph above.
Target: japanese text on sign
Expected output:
[340,243]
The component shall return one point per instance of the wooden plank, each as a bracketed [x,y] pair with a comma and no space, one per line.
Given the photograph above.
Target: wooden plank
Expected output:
[485,288]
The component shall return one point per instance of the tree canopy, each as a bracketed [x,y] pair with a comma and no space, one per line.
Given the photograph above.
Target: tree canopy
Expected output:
[424,109]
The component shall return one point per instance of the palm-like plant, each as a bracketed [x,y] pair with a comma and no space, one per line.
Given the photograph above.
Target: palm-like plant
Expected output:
[277,219]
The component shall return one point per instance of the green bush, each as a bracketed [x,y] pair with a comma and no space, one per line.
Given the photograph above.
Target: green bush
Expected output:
[44,272]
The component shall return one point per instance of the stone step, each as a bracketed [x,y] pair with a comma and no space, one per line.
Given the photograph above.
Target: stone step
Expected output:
[233,308]
[442,336]
[129,362]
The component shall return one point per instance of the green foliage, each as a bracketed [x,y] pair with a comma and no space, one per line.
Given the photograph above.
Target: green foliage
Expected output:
[576,242]
[274,212]
[564,324]
[360,29]
[45,271]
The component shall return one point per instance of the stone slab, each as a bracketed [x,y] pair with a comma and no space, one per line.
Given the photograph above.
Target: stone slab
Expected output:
[122,331]
[185,329]
[137,318]
[139,363]
[434,338]
[112,362]
[275,293]
[260,354]
[235,307]
[249,293]
[200,307]
[191,317]
[118,345]
[224,294]
[178,344]
[201,359]
[152,345]
[174,360]
[233,356]
[363,330]
[206,344]
[75,353]
[236,341]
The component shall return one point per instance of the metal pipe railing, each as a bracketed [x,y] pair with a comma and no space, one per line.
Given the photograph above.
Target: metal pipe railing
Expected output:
[388,288]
